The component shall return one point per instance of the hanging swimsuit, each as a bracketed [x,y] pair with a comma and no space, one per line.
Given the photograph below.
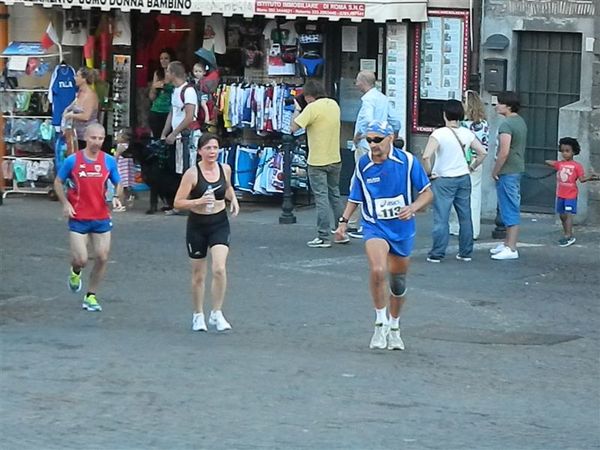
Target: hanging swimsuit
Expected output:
[311,64]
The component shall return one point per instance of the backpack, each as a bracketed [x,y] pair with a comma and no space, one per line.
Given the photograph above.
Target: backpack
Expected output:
[199,120]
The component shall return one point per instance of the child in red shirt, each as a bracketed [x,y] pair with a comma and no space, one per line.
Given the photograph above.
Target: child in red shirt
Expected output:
[568,172]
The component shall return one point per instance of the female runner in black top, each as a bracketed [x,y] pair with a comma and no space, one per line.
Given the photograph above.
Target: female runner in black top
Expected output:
[203,191]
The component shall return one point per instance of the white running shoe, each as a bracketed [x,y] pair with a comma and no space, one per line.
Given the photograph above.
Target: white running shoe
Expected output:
[395,342]
[497,249]
[379,339]
[198,323]
[217,319]
[506,253]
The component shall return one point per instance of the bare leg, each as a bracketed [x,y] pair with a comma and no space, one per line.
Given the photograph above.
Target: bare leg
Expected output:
[567,222]
[198,283]
[377,252]
[101,242]
[512,235]
[79,253]
[397,264]
[219,275]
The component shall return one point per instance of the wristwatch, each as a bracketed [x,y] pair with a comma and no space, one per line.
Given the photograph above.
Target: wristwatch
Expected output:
[342,219]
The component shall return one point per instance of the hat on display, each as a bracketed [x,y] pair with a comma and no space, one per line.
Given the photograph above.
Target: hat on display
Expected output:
[381,127]
[207,56]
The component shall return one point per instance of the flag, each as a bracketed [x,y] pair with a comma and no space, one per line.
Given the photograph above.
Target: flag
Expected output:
[88,52]
[50,37]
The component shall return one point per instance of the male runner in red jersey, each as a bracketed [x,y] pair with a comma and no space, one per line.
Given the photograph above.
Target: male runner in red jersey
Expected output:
[85,205]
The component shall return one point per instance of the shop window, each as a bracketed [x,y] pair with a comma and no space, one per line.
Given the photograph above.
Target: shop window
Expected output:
[441,66]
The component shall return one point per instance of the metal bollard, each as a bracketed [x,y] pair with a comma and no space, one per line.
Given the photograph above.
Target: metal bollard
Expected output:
[287,207]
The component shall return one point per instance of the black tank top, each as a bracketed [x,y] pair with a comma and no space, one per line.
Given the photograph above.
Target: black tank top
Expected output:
[218,186]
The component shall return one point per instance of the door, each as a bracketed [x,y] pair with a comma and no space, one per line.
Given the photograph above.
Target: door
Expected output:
[548,73]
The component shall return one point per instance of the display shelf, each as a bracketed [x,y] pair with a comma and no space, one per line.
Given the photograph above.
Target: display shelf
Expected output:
[14,116]
[30,158]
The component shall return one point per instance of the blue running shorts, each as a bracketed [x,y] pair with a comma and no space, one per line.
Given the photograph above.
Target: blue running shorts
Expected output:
[90,226]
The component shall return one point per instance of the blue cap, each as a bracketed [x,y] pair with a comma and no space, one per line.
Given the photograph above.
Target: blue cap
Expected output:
[381,127]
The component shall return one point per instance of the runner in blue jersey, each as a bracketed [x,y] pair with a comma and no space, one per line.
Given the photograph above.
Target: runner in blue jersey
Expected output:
[383,183]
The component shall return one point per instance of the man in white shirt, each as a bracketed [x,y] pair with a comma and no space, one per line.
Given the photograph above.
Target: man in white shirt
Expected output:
[181,127]
[450,181]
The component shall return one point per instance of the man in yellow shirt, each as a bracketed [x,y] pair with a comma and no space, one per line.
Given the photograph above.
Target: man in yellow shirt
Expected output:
[321,119]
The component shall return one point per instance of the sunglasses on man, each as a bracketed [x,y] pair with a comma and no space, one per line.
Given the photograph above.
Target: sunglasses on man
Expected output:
[376,140]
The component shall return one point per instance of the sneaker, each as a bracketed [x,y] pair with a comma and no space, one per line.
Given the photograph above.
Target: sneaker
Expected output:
[464,258]
[198,323]
[90,303]
[356,234]
[434,259]
[379,339]
[506,253]
[172,212]
[395,342]
[318,243]
[497,249]
[217,319]
[565,242]
[75,281]
[344,240]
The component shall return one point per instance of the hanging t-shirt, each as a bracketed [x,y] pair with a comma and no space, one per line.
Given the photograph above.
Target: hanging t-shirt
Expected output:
[61,91]
[75,33]
[214,34]
[288,33]
[121,29]
[177,106]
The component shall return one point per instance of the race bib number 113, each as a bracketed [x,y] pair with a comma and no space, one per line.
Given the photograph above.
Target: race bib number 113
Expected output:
[389,208]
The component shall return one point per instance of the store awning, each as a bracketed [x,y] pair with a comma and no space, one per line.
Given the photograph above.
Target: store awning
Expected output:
[355,10]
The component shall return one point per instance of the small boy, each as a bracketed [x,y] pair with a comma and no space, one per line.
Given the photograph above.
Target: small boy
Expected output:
[125,167]
[199,72]
[567,175]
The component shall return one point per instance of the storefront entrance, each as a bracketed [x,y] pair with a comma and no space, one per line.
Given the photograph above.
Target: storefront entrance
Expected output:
[547,79]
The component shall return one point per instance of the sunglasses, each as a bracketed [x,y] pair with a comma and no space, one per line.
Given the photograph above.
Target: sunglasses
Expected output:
[376,140]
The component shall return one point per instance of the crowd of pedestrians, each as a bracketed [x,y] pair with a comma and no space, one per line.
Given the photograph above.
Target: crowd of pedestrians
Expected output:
[389,186]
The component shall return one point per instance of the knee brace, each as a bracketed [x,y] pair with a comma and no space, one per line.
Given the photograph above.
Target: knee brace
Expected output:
[398,284]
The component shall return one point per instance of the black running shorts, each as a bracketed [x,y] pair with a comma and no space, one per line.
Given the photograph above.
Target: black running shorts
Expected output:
[204,231]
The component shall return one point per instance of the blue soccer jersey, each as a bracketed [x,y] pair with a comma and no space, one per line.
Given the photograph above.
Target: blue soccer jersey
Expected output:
[62,91]
[382,189]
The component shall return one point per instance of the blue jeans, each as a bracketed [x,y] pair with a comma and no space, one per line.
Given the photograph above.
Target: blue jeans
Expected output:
[325,184]
[447,192]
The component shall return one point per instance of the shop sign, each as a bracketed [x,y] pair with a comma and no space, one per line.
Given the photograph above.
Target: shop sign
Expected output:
[323,9]
[227,7]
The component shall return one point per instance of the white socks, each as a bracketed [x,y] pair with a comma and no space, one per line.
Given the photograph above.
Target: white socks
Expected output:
[381,315]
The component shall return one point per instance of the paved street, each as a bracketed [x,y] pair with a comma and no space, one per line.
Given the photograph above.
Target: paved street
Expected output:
[500,355]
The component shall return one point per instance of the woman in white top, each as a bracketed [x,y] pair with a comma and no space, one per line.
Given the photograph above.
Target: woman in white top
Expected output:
[450,180]
[474,121]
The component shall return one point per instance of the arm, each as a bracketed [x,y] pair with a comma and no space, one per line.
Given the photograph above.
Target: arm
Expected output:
[348,211]
[230,192]
[185,123]
[297,110]
[481,154]
[551,162]
[115,178]
[430,149]
[502,155]
[167,128]
[88,104]
[425,197]
[154,87]
[68,210]
[189,180]
[365,115]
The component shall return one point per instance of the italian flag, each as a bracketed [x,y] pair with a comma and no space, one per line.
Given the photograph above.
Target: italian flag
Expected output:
[50,37]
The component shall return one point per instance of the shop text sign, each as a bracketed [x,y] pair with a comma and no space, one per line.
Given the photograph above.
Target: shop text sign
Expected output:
[185,6]
[310,8]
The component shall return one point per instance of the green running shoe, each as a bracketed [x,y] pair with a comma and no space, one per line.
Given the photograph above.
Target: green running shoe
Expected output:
[75,281]
[90,303]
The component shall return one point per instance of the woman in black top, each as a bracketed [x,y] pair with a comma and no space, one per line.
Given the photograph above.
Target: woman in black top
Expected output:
[203,191]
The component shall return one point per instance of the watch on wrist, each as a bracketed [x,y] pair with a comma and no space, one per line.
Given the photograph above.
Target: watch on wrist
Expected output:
[342,219]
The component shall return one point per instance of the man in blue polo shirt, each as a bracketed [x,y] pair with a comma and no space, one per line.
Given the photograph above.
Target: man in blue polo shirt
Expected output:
[383,182]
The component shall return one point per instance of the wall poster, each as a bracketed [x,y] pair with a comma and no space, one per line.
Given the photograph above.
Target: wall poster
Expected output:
[440,65]
[396,64]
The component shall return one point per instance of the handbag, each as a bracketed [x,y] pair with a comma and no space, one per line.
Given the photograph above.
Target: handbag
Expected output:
[467,153]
